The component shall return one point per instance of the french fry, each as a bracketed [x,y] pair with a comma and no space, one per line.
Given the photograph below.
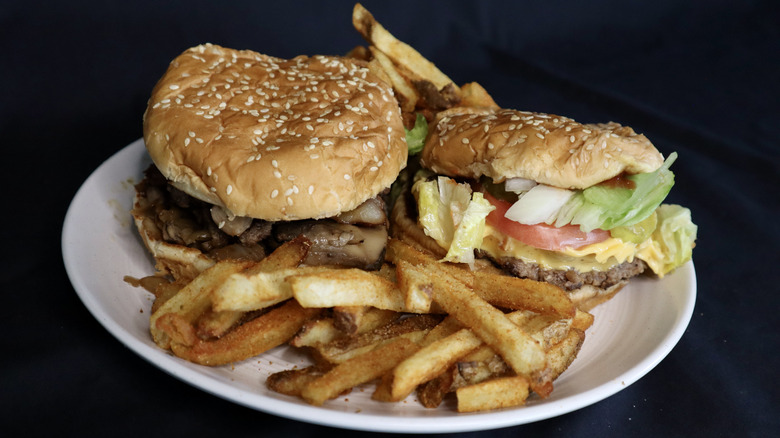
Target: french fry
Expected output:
[315,332]
[252,290]
[344,287]
[357,370]
[193,299]
[474,95]
[582,320]
[416,287]
[518,349]
[521,293]
[432,393]
[292,382]
[562,354]
[493,394]
[341,349]
[260,285]
[470,371]
[418,273]
[352,320]
[405,92]
[250,339]
[401,53]
[429,362]
[213,324]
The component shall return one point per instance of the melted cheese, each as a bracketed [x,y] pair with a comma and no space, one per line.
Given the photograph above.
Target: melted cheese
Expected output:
[598,256]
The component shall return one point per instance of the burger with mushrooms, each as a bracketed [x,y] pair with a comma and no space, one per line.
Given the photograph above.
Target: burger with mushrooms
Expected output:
[250,151]
[546,198]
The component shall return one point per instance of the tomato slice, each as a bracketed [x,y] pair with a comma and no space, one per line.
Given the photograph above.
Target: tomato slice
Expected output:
[542,236]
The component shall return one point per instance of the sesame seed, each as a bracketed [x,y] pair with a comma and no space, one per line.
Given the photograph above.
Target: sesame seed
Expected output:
[274,193]
[229,189]
[347,177]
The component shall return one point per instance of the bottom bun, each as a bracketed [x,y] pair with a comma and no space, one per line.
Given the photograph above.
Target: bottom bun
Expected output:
[404,228]
[178,261]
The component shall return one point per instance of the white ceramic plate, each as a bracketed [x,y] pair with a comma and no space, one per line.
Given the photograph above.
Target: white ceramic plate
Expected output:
[632,333]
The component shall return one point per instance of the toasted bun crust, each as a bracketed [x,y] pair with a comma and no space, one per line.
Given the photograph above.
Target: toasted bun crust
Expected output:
[549,149]
[271,138]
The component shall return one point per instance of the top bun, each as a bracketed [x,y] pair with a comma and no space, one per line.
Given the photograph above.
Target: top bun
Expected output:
[271,138]
[549,149]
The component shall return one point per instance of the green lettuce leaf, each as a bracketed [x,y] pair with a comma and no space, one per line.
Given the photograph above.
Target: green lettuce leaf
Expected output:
[675,236]
[415,137]
[453,215]
[606,207]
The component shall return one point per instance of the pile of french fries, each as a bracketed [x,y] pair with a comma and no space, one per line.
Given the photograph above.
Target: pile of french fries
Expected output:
[415,326]
[419,85]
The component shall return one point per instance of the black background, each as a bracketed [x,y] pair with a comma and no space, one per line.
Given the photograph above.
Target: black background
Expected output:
[696,77]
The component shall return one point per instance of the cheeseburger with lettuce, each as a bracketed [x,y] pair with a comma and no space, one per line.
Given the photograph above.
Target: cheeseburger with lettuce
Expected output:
[546,198]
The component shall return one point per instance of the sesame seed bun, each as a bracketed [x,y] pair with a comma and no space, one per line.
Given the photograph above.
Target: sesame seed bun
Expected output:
[549,149]
[274,139]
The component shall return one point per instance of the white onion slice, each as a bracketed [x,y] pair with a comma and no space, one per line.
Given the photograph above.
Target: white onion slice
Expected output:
[519,185]
[538,205]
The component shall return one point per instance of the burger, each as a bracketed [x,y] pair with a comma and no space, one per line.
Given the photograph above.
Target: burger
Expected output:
[547,198]
[250,151]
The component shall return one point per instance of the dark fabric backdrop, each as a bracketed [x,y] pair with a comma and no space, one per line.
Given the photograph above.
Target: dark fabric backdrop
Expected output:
[697,77]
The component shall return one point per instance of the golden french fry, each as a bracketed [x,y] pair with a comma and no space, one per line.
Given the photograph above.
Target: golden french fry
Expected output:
[415,287]
[406,94]
[401,53]
[474,95]
[316,332]
[344,287]
[352,320]
[546,329]
[250,339]
[430,361]
[432,393]
[193,299]
[418,272]
[359,52]
[213,324]
[521,293]
[252,290]
[341,349]
[518,349]
[260,285]
[562,354]
[582,320]
[358,370]
[177,328]
[493,394]
[292,382]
